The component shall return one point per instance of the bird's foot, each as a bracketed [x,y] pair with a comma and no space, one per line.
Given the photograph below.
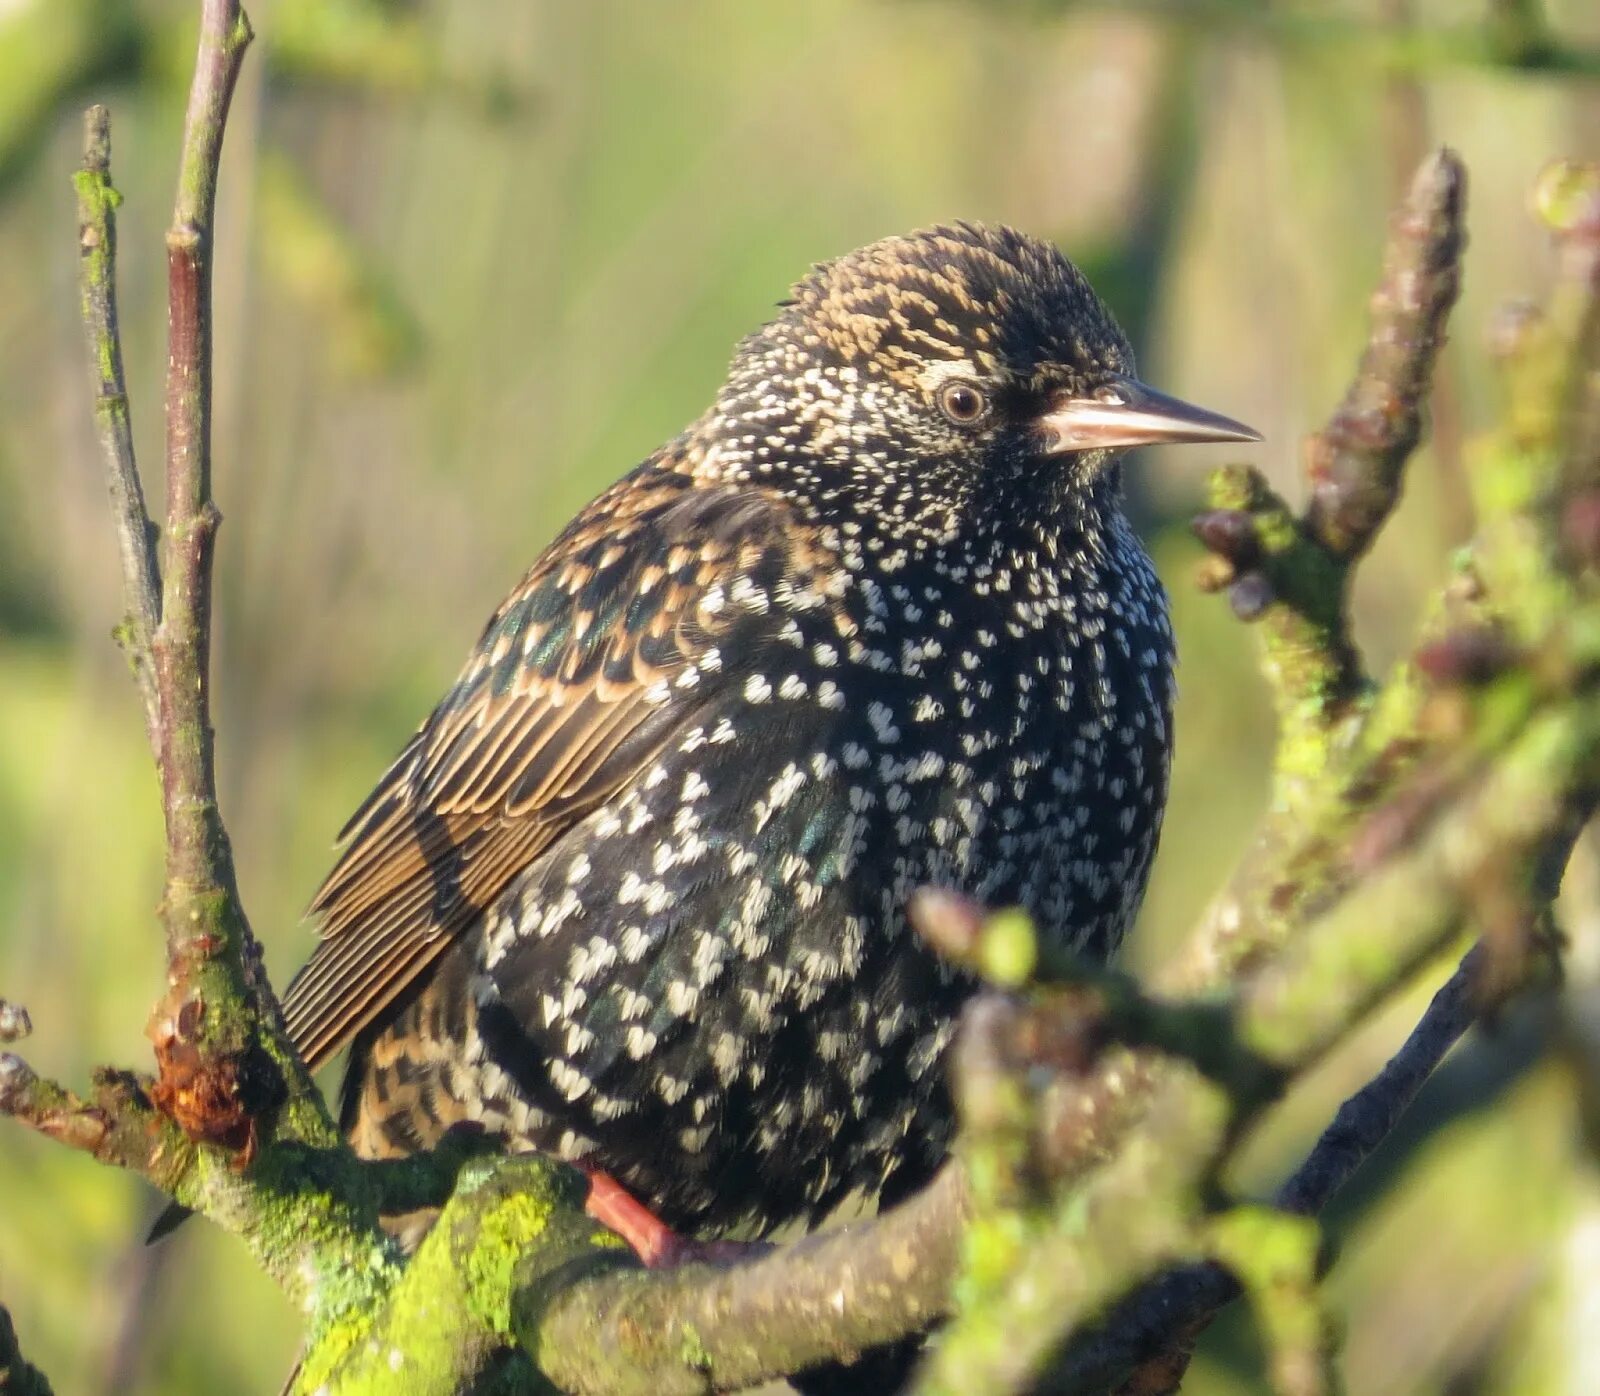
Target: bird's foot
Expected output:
[656,1244]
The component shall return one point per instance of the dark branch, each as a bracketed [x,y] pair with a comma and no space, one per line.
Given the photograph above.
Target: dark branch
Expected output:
[1371,1114]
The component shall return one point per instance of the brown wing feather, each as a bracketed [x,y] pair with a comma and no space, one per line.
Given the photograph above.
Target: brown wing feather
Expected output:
[570,690]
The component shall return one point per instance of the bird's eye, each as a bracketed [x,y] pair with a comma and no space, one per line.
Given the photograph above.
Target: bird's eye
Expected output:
[962,402]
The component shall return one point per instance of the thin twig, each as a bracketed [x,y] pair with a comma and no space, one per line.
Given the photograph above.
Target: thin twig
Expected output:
[136,534]
[1371,1114]
[227,1075]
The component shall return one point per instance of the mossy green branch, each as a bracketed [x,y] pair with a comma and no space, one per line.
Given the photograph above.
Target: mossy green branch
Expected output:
[1536,480]
[310,1219]
[1296,592]
[1155,1329]
[444,1322]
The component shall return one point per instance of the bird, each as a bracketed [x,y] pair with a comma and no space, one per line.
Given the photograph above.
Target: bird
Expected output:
[634,894]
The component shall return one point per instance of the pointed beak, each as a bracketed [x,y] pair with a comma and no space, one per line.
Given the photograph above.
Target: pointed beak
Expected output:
[1124,412]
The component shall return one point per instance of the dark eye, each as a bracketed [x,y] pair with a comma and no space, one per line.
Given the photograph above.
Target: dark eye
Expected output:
[962,402]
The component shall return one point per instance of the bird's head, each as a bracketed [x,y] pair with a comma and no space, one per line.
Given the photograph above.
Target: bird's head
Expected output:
[957,367]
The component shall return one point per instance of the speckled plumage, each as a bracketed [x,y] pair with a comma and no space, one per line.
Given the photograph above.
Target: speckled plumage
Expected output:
[635,892]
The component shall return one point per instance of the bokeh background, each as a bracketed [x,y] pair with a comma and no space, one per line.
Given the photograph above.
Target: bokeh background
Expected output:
[476,259]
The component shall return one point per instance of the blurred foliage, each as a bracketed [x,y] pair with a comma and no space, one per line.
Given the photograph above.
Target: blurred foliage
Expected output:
[476,259]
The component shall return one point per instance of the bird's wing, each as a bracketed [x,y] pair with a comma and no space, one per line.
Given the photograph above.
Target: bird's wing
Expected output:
[603,651]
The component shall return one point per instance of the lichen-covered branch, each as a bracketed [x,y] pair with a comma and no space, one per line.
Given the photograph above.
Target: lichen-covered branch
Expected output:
[1037,1274]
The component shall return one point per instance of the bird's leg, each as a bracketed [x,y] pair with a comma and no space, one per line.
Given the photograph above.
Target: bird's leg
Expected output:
[656,1244]
[609,1203]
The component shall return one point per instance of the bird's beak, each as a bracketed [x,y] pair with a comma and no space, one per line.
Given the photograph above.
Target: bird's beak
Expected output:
[1124,412]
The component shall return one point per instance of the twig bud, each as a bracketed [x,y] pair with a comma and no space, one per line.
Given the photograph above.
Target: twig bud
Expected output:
[1250,596]
[1229,533]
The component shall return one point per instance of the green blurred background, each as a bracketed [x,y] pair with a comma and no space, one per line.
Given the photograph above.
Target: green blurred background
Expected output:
[476,259]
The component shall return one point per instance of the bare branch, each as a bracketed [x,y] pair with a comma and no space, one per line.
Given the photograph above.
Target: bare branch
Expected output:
[227,1075]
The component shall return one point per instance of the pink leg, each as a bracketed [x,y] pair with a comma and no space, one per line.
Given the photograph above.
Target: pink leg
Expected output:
[656,1244]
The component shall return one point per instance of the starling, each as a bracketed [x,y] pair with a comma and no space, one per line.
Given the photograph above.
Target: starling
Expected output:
[634,894]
